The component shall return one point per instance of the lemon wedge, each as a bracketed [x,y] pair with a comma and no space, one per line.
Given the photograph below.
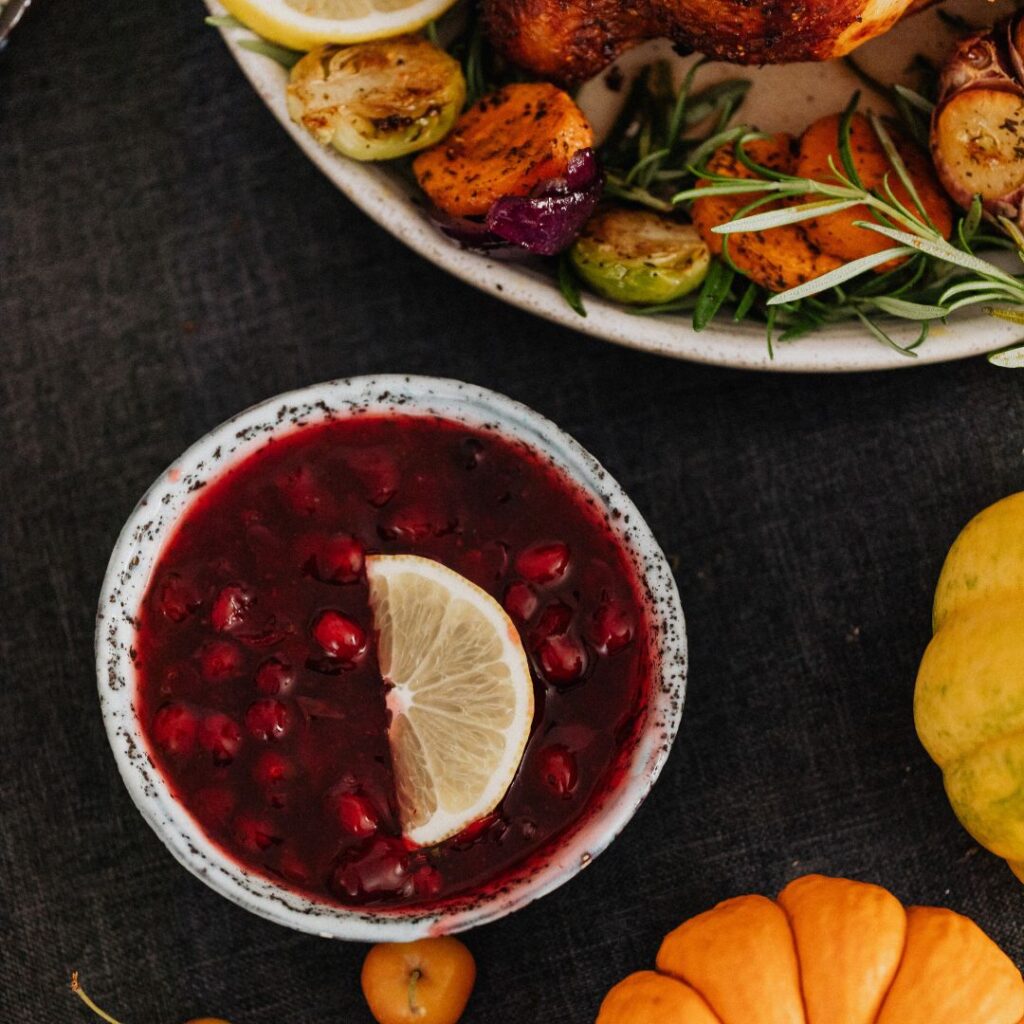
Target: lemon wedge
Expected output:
[303,24]
[461,697]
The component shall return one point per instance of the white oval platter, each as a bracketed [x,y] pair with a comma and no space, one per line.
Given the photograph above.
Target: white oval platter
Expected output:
[783,98]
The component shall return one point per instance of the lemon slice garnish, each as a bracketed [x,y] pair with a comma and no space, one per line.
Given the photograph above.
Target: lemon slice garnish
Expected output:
[461,697]
[303,24]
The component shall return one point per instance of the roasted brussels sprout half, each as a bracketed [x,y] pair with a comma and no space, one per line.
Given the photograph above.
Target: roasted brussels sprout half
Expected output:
[977,135]
[378,100]
[639,257]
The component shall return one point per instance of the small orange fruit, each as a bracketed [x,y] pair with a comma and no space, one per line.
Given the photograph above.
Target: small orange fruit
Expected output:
[423,982]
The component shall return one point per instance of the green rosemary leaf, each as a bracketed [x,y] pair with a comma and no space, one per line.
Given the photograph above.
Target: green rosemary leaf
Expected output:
[657,156]
[900,167]
[967,226]
[942,250]
[845,154]
[769,330]
[711,144]
[867,79]
[914,99]
[728,94]
[678,118]
[745,303]
[732,187]
[887,210]
[713,293]
[839,275]
[985,239]
[915,112]
[1014,232]
[799,328]
[616,142]
[884,338]
[786,215]
[430,31]
[894,282]
[908,310]
[286,58]
[613,187]
[476,83]
[726,256]
[916,124]
[223,21]
[976,298]
[762,172]
[568,287]
[973,284]
[839,177]
[740,213]
[922,334]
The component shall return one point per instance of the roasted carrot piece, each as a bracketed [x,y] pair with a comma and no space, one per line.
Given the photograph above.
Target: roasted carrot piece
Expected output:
[836,232]
[504,145]
[779,258]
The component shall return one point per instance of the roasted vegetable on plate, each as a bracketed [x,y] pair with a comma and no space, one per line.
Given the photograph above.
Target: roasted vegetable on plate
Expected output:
[978,125]
[521,159]
[377,101]
[639,257]
[507,143]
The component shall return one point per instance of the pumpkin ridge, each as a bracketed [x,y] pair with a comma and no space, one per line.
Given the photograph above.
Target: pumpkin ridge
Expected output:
[740,956]
[960,707]
[796,884]
[896,973]
[1013,734]
[950,939]
[702,994]
[799,965]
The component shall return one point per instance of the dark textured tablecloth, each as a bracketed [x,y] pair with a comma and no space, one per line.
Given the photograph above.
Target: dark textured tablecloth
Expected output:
[168,257]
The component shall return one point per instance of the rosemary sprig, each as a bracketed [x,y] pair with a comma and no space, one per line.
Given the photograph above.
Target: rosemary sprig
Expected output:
[569,286]
[256,43]
[948,275]
[661,132]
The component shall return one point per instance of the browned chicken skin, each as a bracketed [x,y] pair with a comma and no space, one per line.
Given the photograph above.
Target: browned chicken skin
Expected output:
[571,40]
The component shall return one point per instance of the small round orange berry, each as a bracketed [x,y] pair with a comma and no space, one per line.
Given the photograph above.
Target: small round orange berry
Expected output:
[423,982]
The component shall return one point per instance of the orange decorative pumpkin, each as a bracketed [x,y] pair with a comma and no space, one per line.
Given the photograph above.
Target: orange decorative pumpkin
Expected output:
[827,951]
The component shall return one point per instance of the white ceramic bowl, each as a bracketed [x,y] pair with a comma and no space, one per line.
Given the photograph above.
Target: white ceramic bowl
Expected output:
[151,524]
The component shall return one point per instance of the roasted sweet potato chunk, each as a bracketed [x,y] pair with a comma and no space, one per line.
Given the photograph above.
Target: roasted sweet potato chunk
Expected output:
[504,145]
[779,258]
[836,233]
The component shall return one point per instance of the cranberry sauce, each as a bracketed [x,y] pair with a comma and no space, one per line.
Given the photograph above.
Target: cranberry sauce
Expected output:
[259,689]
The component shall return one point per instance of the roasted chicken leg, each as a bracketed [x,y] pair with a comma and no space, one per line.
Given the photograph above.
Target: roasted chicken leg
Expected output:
[571,40]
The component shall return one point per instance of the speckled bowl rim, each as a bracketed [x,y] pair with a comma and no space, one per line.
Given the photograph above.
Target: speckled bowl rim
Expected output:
[142,539]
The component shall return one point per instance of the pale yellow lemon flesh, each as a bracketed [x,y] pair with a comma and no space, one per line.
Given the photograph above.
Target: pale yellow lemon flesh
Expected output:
[460,694]
[303,24]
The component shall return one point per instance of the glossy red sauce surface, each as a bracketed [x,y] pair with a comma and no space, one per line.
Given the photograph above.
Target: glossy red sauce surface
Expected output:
[260,694]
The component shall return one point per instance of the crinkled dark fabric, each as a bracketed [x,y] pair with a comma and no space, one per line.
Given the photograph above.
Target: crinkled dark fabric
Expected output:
[168,257]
